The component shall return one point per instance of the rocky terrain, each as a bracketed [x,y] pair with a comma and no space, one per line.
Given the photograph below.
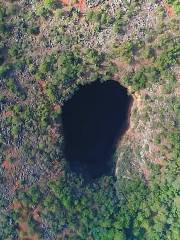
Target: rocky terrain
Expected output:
[48,48]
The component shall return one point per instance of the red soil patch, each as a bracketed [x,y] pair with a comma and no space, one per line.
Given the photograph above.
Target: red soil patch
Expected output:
[169,9]
[158,161]
[81,4]
[7,114]
[123,69]
[146,173]
[66,2]
[42,85]
[142,62]
[53,134]
[23,227]
[6,164]
[16,205]
[12,152]
[56,107]
[29,238]
[16,186]
[36,215]
[154,159]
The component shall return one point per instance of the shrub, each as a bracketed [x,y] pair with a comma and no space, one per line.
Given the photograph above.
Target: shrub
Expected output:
[4,70]
[168,57]
[49,3]
[143,78]
[13,86]
[125,50]
[150,53]
[16,50]
[99,17]
[34,30]
[93,57]
[2,28]
[177,107]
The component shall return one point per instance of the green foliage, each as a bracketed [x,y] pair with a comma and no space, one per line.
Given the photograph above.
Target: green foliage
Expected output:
[12,85]
[43,114]
[59,13]
[143,78]
[46,67]
[150,53]
[69,67]
[155,214]
[16,51]
[65,68]
[42,11]
[2,28]
[125,208]
[168,57]
[93,57]
[87,209]
[12,9]
[118,22]
[51,92]
[3,25]
[126,50]
[8,229]
[139,211]
[48,3]
[15,88]
[176,107]
[32,197]
[33,30]
[20,118]
[4,70]
[100,17]
[2,13]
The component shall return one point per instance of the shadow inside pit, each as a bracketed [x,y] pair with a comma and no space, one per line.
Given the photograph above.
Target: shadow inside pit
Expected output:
[93,119]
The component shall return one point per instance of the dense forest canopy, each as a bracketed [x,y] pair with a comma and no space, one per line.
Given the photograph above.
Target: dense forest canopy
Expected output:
[48,49]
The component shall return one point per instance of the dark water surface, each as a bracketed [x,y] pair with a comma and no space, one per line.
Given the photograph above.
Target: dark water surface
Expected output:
[93,119]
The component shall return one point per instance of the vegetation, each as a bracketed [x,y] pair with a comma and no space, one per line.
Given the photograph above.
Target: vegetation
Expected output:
[142,78]
[175,4]
[96,211]
[47,50]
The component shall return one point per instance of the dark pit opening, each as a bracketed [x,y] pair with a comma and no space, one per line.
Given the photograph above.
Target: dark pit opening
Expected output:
[93,119]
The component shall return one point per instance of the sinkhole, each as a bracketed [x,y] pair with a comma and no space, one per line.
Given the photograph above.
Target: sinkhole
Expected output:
[93,120]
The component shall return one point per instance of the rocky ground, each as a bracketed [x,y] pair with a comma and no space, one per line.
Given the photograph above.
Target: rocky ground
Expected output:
[146,119]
